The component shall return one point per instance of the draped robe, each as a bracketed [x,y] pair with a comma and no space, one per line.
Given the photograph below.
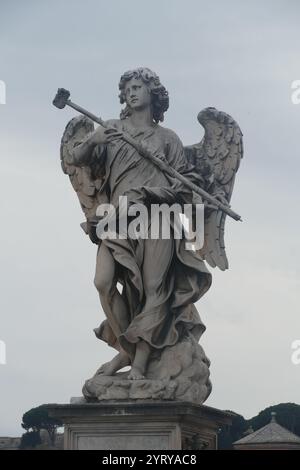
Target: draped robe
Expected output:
[180,276]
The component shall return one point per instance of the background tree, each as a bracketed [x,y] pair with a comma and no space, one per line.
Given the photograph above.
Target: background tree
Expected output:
[287,415]
[30,440]
[37,419]
[229,434]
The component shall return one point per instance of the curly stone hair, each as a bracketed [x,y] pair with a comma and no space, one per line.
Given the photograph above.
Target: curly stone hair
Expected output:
[159,95]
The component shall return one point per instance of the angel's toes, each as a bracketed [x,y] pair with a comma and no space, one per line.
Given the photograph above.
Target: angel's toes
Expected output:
[135,374]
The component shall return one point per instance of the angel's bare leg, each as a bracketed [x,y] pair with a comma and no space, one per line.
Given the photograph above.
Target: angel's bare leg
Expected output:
[157,258]
[113,305]
[140,361]
[118,362]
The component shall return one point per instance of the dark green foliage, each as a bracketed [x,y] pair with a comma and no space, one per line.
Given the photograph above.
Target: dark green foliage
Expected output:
[38,418]
[229,434]
[30,440]
[287,415]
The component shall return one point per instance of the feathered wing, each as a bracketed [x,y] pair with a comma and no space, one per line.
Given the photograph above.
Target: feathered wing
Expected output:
[86,180]
[217,157]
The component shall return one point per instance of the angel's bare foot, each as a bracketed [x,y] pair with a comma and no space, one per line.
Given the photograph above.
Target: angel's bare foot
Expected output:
[140,361]
[118,362]
[136,374]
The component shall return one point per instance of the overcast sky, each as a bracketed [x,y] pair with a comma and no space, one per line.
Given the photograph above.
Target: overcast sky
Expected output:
[240,57]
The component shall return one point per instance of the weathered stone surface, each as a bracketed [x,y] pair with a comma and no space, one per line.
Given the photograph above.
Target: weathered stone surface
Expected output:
[180,372]
[143,425]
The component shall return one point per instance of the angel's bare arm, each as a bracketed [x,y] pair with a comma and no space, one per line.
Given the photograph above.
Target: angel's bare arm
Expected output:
[101,136]
[82,152]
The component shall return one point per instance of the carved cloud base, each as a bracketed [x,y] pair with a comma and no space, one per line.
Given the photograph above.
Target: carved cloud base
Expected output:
[180,373]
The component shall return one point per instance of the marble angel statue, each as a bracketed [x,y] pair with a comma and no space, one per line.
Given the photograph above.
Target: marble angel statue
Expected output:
[152,321]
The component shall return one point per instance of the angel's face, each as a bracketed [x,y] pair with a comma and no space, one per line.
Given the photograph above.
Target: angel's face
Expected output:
[137,94]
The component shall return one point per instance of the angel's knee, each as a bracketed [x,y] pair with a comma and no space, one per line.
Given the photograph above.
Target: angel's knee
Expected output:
[105,281]
[104,284]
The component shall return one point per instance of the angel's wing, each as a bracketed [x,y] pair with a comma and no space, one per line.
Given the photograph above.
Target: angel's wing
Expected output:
[86,180]
[217,157]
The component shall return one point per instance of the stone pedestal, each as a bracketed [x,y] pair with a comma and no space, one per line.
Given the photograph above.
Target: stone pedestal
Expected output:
[145,425]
